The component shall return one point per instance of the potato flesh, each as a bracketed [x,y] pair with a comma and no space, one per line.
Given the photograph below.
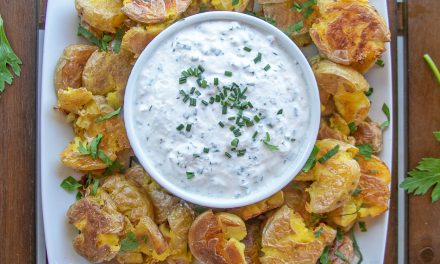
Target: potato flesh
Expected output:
[104,15]
[256,209]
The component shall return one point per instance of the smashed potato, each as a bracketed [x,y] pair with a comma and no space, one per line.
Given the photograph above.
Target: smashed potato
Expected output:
[256,209]
[226,5]
[252,242]
[154,11]
[353,107]
[296,197]
[72,100]
[286,239]
[106,72]
[208,242]
[346,215]
[350,33]
[369,133]
[129,199]
[345,247]
[154,243]
[374,186]
[137,38]
[71,64]
[100,226]
[104,15]
[333,180]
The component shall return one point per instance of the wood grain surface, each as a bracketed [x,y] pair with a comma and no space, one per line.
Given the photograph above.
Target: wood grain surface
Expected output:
[17,139]
[424,118]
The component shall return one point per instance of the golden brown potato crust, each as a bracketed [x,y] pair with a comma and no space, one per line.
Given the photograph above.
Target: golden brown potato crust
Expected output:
[256,209]
[345,247]
[351,33]
[154,11]
[104,15]
[369,133]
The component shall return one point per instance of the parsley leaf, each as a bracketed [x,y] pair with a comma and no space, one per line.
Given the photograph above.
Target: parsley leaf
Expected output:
[423,177]
[310,163]
[329,154]
[70,184]
[365,150]
[386,111]
[129,243]
[324,259]
[380,63]
[108,116]
[7,58]
[94,145]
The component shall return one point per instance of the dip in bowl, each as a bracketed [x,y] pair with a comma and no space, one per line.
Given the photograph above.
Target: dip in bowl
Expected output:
[222,109]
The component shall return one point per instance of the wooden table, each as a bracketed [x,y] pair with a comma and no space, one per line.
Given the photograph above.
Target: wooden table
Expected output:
[18,128]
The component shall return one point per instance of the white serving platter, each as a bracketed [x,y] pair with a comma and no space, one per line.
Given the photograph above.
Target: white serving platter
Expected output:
[56,133]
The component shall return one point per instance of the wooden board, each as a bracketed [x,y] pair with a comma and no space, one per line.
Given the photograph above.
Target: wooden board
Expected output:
[17,139]
[423,118]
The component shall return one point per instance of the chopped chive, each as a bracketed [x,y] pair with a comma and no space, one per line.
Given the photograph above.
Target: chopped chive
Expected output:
[216,81]
[380,63]
[205,150]
[192,90]
[311,161]
[204,84]
[228,155]
[254,135]
[234,142]
[341,256]
[228,73]
[247,49]
[352,126]
[198,93]
[232,128]
[224,110]
[189,175]
[257,118]
[241,152]
[329,154]
[196,155]
[280,112]
[182,80]
[231,118]
[432,66]
[201,69]
[249,123]
[267,136]
[369,92]
[237,132]
[258,58]
[186,98]
[180,127]
[386,111]
[192,102]
[250,105]
[221,124]
[217,98]
[188,127]
[270,146]
[204,102]
[211,100]
[267,67]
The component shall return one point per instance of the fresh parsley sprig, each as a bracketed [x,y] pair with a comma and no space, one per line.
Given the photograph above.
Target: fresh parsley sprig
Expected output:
[8,59]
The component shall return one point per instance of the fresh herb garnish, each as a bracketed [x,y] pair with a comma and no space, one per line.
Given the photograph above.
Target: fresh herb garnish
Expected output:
[235,2]
[94,145]
[180,127]
[101,43]
[296,27]
[234,142]
[318,232]
[329,154]
[129,243]
[189,175]
[228,73]
[108,116]
[205,150]
[356,192]
[341,256]
[268,145]
[118,40]
[339,235]
[324,259]
[362,226]
[227,154]
[102,156]
[365,150]
[311,161]
[221,124]
[386,111]
[267,67]
[432,66]
[357,249]
[280,112]
[352,126]
[369,92]
[95,186]
[188,127]
[258,58]
[380,63]
[247,49]
[70,184]
[8,59]
[79,195]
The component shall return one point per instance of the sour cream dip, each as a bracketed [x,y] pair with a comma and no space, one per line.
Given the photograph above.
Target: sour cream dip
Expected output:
[221,109]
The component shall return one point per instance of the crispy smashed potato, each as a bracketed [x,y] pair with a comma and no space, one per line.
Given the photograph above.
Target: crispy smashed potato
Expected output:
[346,215]
[209,244]
[369,133]
[345,247]
[154,11]
[252,242]
[353,107]
[100,224]
[72,100]
[71,64]
[296,198]
[137,38]
[104,15]
[334,180]
[374,186]
[350,33]
[226,5]
[286,239]
[155,243]
[256,209]
[106,72]
[130,200]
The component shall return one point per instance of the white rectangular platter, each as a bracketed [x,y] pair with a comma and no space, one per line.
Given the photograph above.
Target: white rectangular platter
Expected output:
[56,133]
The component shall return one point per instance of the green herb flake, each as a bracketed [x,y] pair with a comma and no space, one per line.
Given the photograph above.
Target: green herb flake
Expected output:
[82,149]
[329,154]
[339,235]
[235,2]
[102,156]
[311,161]
[221,124]
[188,127]
[280,112]
[101,43]
[357,249]
[356,192]
[247,49]
[118,40]
[205,150]
[386,111]
[362,226]
[8,60]
[365,150]
[108,116]
[95,187]
[189,175]
[380,63]
[234,142]
[258,58]
[78,196]
[216,81]
[324,259]
[227,154]
[318,232]
[70,184]
[267,67]
[341,256]
[228,73]
[180,127]
[437,135]
[432,66]
[369,92]
[94,145]
[129,243]
[353,127]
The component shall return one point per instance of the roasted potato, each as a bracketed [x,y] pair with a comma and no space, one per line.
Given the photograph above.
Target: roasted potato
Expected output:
[130,200]
[286,239]
[296,198]
[137,38]
[226,5]
[208,241]
[345,247]
[72,100]
[346,215]
[71,64]
[252,242]
[256,209]
[353,107]
[96,107]
[155,11]
[350,33]
[104,15]
[374,186]
[334,180]
[369,133]
[154,243]
[107,72]
[326,131]
[100,226]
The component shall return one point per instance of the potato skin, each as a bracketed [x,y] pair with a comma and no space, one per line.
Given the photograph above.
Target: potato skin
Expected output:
[68,72]
[155,11]
[104,15]
[369,133]
[345,247]
[256,209]
[350,33]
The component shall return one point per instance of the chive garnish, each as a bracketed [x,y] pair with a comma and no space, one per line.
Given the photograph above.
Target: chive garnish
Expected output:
[247,49]
[228,155]
[311,161]
[205,150]
[362,226]
[241,152]
[180,127]
[189,175]
[186,98]
[221,124]
[267,67]
[224,110]
[254,135]
[188,127]
[352,126]
[211,100]
[234,142]
[196,155]
[215,81]
[192,90]
[231,118]
[201,69]
[228,73]
[369,92]
[258,58]
[380,63]
[257,118]
[198,93]
[280,112]
[329,154]
[182,80]
[204,102]
[192,102]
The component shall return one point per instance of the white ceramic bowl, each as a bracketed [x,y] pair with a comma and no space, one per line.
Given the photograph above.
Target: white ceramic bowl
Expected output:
[309,140]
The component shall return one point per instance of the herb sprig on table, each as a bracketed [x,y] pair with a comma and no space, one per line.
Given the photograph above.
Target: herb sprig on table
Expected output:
[8,60]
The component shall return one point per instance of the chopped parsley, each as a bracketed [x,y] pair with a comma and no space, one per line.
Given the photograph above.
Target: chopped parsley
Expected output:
[311,161]
[352,126]
[386,111]
[341,256]
[129,243]
[362,226]
[329,154]
[380,63]
[8,60]
[365,150]
[70,184]
[369,92]
[108,116]
[189,175]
